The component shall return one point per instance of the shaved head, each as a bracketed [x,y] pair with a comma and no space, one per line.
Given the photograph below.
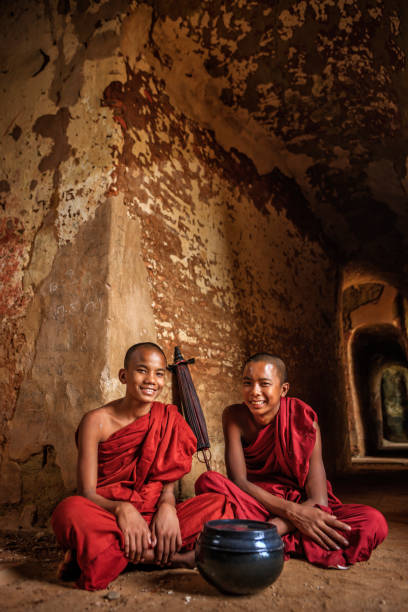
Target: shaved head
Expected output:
[142,345]
[269,358]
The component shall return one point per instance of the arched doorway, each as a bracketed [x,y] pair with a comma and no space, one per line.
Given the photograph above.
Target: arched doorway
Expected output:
[375,357]
[379,361]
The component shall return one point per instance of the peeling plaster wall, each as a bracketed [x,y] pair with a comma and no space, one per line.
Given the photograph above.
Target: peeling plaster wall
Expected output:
[56,167]
[228,272]
[68,354]
[191,172]
[317,89]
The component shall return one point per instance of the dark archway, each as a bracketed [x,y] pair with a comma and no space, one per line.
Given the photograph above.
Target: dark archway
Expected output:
[373,347]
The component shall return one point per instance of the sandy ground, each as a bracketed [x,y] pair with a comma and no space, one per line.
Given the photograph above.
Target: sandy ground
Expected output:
[28,561]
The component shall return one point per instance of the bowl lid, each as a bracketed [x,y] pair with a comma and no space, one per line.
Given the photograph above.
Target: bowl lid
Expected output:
[239,535]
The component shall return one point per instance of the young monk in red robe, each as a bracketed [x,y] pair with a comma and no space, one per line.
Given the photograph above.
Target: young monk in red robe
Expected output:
[274,462]
[130,453]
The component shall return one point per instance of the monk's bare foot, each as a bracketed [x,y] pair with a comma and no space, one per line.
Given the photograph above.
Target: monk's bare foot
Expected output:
[69,570]
[180,560]
[186,560]
[148,559]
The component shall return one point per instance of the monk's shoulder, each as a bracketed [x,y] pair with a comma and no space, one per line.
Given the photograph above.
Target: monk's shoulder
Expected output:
[302,413]
[172,414]
[170,410]
[99,419]
[94,416]
[107,411]
[173,421]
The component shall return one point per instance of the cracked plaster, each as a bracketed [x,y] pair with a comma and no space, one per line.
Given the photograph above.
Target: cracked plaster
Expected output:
[276,126]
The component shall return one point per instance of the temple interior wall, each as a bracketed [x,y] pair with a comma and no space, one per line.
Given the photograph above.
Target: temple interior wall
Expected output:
[137,204]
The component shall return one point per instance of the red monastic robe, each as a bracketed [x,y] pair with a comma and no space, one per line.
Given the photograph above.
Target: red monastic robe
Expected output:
[133,464]
[278,461]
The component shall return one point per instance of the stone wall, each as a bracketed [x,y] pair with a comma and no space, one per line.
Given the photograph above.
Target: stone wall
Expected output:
[145,194]
[228,272]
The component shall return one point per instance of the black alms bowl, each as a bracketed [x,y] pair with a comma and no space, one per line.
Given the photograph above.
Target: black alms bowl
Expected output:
[239,556]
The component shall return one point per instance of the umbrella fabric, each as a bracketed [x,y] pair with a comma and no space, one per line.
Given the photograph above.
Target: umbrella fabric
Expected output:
[190,403]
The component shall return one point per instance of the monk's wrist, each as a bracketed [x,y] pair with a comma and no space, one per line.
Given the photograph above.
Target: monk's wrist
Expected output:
[163,502]
[290,511]
[121,507]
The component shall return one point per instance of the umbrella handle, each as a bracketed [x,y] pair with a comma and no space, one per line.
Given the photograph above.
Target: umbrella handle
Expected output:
[205,458]
[179,359]
[172,367]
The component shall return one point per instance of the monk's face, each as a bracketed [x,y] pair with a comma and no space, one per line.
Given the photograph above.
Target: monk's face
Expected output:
[144,376]
[262,390]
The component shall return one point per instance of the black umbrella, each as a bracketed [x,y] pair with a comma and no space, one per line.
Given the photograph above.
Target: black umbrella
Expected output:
[190,405]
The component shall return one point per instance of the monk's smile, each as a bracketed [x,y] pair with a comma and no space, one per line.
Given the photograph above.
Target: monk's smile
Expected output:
[148,391]
[257,403]
[262,390]
[144,376]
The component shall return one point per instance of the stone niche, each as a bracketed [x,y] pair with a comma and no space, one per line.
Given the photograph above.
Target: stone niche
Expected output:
[375,353]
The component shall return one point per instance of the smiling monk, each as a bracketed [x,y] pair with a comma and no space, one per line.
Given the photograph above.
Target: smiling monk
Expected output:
[130,453]
[274,462]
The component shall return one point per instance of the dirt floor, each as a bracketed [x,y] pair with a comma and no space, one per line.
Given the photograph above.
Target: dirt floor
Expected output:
[29,558]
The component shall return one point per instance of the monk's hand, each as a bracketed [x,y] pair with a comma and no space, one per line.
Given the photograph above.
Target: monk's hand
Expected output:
[136,533]
[166,530]
[319,525]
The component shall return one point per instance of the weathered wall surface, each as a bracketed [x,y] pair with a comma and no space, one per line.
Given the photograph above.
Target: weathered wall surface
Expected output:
[184,172]
[56,168]
[225,272]
[316,89]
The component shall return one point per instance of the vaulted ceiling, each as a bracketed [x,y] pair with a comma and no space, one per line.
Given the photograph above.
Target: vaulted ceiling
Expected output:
[315,90]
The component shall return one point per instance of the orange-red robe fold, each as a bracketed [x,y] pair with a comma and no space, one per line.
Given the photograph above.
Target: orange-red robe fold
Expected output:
[135,461]
[133,464]
[278,461]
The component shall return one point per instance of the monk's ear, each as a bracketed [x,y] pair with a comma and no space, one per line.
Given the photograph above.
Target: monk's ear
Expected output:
[284,389]
[122,376]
